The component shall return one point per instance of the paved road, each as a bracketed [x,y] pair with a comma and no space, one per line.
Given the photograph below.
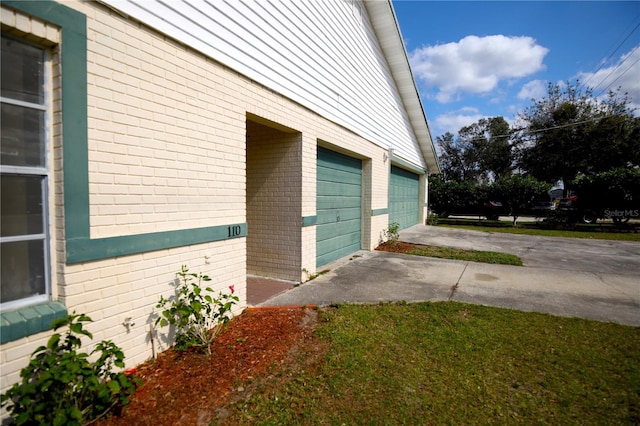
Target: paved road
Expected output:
[592,279]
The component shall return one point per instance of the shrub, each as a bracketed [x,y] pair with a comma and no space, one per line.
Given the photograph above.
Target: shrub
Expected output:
[391,233]
[197,316]
[60,386]
[432,219]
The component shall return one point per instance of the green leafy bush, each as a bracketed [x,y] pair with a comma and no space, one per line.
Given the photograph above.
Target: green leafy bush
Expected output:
[60,386]
[197,316]
[432,219]
[392,233]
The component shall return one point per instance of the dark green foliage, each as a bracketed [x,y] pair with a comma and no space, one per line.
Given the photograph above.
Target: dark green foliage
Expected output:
[617,189]
[196,315]
[61,386]
[518,193]
[452,196]
[480,152]
[570,132]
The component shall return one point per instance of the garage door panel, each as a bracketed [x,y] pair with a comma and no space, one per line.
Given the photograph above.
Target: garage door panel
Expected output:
[346,247]
[341,176]
[350,218]
[348,243]
[335,202]
[404,197]
[338,205]
[334,230]
[334,189]
[335,160]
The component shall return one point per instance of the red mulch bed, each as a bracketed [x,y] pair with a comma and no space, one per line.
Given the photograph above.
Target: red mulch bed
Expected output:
[397,247]
[189,388]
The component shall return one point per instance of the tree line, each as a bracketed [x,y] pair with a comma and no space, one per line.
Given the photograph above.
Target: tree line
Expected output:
[590,144]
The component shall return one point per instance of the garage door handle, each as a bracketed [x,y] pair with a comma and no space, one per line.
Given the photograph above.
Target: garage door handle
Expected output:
[337,218]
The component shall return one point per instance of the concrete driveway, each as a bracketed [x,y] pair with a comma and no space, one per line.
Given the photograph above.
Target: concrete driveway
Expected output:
[594,279]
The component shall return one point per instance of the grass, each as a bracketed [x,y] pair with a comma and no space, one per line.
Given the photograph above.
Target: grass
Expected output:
[453,363]
[468,255]
[531,228]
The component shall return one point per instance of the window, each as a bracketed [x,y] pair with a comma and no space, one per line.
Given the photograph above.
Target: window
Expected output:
[25,175]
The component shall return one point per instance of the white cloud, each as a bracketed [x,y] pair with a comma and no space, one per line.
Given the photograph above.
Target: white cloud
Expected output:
[455,120]
[536,89]
[625,73]
[476,64]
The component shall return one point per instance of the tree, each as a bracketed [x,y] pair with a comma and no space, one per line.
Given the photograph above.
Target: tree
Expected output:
[518,193]
[480,153]
[458,160]
[489,139]
[452,196]
[571,132]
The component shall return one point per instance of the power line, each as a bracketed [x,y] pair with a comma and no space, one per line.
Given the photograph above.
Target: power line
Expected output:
[621,74]
[609,57]
[530,132]
[562,126]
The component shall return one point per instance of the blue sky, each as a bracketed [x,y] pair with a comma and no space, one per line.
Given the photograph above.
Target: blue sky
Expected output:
[485,59]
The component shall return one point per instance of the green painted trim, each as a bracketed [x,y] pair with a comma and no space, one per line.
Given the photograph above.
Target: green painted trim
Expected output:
[84,250]
[30,320]
[309,220]
[397,161]
[379,212]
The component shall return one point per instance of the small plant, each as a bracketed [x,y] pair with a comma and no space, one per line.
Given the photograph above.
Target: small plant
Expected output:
[197,316]
[311,276]
[432,219]
[391,233]
[60,386]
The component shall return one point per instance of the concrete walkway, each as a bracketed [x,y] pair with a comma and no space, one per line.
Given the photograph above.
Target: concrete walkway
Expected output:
[595,293]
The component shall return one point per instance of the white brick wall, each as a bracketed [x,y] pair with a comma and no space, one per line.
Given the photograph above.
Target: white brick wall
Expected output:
[166,145]
[168,151]
[273,202]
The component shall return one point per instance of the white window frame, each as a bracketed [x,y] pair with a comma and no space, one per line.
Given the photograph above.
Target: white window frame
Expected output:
[44,172]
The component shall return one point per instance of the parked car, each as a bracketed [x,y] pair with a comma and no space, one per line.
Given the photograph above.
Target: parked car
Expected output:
[578,213]
[543,207]
[574,212]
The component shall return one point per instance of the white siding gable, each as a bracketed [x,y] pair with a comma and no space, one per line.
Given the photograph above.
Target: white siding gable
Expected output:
[321,54]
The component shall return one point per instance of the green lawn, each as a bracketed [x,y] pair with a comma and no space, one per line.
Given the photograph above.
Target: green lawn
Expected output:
[466,254]
[453,363]
[604,232]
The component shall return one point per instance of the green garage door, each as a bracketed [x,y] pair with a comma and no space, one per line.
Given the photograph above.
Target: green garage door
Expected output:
[338,205]
[404,197]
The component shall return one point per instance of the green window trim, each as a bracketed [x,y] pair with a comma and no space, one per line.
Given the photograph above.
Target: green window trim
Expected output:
[80,247]
[29,320]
